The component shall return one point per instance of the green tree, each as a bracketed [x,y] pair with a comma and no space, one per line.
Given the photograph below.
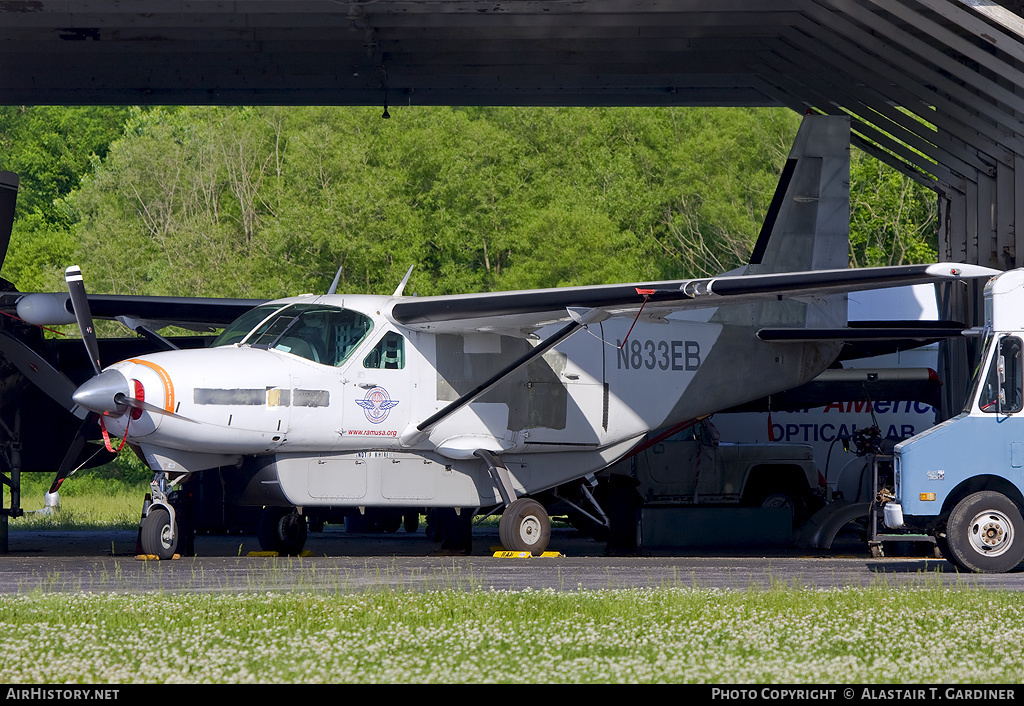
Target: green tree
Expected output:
[893,219]
[51,149]
[265,202]
[179,205]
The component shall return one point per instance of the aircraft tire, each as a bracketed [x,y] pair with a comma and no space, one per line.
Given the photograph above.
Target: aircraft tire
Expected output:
[282,530]
[525,527]
[985,533]
[156,532]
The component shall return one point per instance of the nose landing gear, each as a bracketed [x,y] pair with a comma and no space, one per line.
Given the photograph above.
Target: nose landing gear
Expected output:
[158,530]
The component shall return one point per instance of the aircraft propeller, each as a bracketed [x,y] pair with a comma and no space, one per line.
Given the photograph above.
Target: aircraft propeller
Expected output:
[107,393]
[8,200]
[80,302]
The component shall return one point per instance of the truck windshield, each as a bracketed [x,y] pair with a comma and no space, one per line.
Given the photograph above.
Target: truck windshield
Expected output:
[1003,387]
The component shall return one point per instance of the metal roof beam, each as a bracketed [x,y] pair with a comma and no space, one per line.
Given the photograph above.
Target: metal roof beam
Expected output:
[819,91]
[947,116]
[930,54]
[876,111]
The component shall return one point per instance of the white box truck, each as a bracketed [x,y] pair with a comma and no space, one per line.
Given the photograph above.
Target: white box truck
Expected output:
[962,480]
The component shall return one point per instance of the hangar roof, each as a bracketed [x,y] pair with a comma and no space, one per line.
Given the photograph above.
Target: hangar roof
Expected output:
[934,87]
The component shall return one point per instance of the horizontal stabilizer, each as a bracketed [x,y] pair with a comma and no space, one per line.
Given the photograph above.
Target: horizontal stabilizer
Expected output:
[868,331]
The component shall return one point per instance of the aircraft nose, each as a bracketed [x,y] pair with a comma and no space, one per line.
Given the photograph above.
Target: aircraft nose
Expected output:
[99,394]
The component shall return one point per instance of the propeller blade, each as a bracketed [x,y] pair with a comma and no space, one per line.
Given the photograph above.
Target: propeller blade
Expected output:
[80,302]
[146,406]
[74,453]
[51,381]
[8,200]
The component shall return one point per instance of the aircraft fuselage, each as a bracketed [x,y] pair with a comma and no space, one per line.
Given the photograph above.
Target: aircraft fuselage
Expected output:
[327,391]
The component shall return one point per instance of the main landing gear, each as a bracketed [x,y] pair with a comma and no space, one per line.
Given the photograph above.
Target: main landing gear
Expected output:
[525,525]
[282,530]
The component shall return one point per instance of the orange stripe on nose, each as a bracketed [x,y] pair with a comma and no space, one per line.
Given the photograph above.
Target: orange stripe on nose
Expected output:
[168,385]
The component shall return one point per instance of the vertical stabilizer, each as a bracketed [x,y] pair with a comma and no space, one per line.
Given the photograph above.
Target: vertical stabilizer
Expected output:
[808,223]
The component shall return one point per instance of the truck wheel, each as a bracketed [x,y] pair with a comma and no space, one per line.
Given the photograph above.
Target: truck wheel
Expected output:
[784,499]
[525,527]
[985,533]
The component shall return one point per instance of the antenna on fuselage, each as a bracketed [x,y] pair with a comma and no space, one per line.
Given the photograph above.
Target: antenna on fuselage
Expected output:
[405,280]
[337,278]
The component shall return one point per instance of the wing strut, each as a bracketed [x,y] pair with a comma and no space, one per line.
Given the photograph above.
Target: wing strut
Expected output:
[409,437]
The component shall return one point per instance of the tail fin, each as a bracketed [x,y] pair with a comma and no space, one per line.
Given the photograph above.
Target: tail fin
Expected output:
[808,222]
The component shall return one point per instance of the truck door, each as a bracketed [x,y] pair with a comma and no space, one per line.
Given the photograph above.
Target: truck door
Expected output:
[683,465]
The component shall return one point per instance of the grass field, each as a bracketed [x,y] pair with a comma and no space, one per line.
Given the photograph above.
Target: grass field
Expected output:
[468,634]
[873,635]
[89,500]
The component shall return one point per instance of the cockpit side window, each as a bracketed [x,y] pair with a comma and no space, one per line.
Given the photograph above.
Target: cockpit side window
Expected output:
[388,354]
[345,331]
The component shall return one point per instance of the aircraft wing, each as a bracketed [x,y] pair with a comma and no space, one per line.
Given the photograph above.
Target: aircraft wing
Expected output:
[528,310]
[195,313]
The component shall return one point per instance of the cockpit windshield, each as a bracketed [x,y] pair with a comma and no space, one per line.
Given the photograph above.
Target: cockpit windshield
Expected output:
[323,334]
[240,327]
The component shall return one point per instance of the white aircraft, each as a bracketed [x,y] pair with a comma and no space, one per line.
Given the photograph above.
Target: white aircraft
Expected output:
[480,401]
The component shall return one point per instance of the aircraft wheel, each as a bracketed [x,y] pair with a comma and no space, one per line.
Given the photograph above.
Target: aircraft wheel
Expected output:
[525,527]
[282,530]
[158,536]
[985,533]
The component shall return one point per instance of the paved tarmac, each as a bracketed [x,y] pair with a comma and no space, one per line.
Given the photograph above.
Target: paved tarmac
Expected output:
[105,561]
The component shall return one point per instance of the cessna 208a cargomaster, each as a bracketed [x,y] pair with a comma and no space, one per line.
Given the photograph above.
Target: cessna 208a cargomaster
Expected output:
[480,401]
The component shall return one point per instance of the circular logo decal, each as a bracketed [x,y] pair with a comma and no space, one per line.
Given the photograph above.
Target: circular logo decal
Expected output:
[376,404]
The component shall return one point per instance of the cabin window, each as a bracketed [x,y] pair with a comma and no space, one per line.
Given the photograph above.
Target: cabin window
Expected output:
[389,354]
[1003,388]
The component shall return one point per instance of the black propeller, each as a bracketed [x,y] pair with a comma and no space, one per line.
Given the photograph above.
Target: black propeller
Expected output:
[80,302]
[39,372]
[8,200]
[107,392]
[75,449]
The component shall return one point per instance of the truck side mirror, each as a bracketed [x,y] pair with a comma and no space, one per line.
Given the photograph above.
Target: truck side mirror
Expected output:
[1001,398]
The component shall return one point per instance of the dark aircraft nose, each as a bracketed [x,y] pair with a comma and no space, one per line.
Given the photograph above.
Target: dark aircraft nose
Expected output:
[101,392]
